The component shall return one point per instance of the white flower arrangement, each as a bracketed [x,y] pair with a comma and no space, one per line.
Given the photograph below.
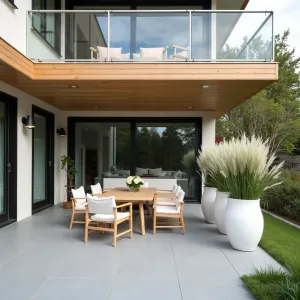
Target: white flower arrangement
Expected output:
[134,182]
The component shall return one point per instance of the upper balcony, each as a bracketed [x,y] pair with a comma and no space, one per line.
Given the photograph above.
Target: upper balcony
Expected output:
[149,36]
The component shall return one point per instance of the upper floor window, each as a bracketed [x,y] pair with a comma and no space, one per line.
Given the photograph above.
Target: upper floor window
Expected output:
[11,3]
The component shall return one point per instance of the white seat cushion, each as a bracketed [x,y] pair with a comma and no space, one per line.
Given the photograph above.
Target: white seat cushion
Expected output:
[109,218]
[81,206]
[167,210]
[160,201]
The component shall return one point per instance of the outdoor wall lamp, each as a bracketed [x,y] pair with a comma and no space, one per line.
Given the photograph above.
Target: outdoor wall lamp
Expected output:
[28,122]
[61,132]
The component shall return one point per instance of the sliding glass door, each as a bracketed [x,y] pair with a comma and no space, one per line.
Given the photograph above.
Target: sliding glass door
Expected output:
[42,181]
[3,171]
[161,150]
[8,138]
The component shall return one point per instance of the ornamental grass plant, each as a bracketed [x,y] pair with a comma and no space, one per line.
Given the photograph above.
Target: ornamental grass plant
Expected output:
[244,167]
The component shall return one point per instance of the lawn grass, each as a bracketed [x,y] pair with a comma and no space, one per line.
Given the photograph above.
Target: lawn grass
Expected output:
[281,241]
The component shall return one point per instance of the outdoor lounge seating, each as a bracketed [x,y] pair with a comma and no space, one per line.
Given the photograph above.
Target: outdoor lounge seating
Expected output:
[78,205]
[168,210]
[104,211]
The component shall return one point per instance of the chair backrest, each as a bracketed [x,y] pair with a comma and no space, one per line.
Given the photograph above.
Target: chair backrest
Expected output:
[177,190]
[180,197]
[174,188]
[97,205]
[96,189]
[146,184]
[79,196]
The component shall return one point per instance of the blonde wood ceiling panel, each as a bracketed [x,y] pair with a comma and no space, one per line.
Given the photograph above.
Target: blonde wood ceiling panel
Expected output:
[136,87]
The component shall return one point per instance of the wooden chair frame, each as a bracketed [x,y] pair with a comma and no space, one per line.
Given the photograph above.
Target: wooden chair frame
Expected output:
[175,47]
[77,212]
[177,220]
[99,225]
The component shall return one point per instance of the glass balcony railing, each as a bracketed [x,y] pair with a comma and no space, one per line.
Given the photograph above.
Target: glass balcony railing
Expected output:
[147,36]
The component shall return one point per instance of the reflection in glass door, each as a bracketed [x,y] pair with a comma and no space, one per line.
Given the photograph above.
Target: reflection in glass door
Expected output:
[42,181]
[8,159]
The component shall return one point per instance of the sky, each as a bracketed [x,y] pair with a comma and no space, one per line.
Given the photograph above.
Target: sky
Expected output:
[286,16]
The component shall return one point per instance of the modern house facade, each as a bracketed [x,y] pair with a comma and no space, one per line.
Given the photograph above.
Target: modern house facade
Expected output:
[122,87]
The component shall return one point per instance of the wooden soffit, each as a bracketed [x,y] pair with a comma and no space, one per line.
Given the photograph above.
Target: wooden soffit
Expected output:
[136,86]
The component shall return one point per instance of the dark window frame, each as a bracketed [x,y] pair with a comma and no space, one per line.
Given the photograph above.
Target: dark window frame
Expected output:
[57,25]
[11,3]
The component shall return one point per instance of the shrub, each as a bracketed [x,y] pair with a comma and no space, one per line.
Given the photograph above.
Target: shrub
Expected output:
[284,199]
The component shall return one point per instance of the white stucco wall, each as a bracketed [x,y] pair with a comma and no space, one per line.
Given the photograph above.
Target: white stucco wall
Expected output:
[24,153]
[13,23]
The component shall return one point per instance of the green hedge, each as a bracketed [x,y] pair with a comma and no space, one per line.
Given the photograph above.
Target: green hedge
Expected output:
[284,199]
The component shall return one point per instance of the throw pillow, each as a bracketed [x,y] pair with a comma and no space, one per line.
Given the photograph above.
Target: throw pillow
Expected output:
[152,53]
[107,174]
[178,174]
[114,53]
[140,171]
[155,172]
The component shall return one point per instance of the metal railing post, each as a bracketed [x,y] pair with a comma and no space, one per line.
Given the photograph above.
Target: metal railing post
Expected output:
[190,35]
[108,34]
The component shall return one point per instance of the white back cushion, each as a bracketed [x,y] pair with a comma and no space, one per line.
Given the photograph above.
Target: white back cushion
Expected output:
[79,196]
[99,205]
[141,171]
[96,189]
[174,188]
[180,197]
[114,53]
[177,190]
[146,184]
[155,172]
[152,53]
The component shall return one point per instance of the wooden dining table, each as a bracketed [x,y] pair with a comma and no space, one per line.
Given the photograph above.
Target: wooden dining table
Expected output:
[124,195]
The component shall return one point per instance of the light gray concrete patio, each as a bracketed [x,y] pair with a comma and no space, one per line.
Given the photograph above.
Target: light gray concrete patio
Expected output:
[40,258]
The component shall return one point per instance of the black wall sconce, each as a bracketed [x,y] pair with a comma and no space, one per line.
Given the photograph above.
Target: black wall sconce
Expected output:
[61,132]
[28,122]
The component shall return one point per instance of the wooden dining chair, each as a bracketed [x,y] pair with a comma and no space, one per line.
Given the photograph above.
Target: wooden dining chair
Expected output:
[101,211]
[167,210]
[78,205]
[96,189]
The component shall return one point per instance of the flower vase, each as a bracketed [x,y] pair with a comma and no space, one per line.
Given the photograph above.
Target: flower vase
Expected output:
[134,188]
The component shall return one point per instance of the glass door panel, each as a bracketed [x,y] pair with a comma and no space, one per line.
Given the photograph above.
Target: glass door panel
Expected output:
[42,158]
[2,162]
[39,159]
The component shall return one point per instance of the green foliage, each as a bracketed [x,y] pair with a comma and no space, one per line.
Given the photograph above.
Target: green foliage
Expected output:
[274,113]
[284,199]
[68,164]
[282,241]
[189,162]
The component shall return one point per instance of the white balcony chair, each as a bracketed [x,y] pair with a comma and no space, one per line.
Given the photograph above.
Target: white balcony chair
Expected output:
[104,211]
[96,189]
[78,205]
[168,191]
[183,53]
[168,210]
[161,197]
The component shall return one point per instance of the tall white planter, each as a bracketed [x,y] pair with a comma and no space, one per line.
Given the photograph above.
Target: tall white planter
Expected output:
[207,204]
[244,223]
[219,210]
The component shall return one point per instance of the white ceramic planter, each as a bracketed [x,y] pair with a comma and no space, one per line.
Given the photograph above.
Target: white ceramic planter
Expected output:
[207,204]
[244,223]
[219,210]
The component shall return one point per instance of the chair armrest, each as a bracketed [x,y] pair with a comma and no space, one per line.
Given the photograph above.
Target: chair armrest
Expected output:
[93,50]
[180,48]
[166,195]
[163,192]
[123,205]
[78,198]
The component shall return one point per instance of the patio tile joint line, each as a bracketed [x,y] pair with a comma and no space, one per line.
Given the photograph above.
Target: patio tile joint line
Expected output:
[176,270]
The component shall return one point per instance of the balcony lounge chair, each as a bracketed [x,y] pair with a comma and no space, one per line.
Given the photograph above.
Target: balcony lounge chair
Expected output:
[78,205]
[169,211]
[183,53]
[104,211]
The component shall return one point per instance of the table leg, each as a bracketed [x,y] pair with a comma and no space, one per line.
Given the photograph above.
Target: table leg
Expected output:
[142,220]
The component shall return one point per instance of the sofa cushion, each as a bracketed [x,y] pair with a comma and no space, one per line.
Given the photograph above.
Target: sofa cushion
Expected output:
[114,53]
[152,53]
[155,172]
[141,171]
